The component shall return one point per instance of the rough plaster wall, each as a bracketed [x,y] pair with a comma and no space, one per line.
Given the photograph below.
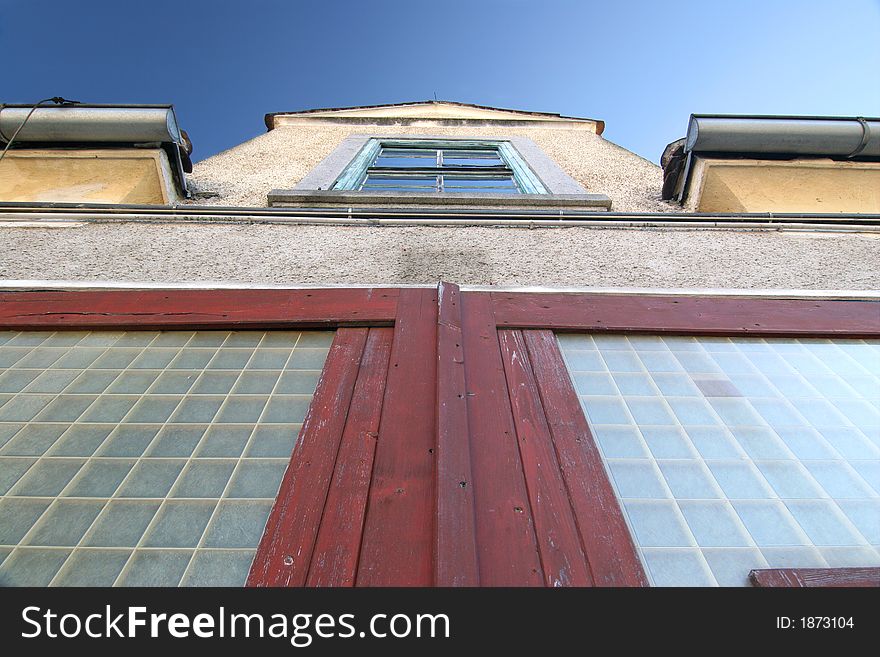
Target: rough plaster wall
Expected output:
[243,175]
[324,255]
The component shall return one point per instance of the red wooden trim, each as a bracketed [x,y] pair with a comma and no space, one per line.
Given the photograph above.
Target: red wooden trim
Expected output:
[398,535]
[506,541]
[455,548]
[604,534]
[559,542]
[687,315]
[285,550]
[209,309]
[816,577]
[334,562]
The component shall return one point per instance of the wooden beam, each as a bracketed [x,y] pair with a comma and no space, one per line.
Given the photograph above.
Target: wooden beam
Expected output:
[337,548]
[285,551]
[816,577]
[197,309]
[506,541]
[604,534]
[562,555]
[687,315]
[398,538]
[455,549]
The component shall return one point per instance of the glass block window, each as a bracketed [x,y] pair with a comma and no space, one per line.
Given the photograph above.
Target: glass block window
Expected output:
[729,455]
[393,166]
[145,458]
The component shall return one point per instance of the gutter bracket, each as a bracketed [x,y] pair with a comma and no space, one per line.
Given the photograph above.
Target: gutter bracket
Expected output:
[866,137]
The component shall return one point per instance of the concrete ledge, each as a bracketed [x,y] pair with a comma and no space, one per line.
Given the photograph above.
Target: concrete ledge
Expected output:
[308,197]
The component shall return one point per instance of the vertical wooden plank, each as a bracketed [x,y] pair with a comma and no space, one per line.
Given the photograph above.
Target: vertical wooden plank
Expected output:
[285,550]
[606,539]
[455,549]
[506,542]
[397,547]
[334,562]
[558,538]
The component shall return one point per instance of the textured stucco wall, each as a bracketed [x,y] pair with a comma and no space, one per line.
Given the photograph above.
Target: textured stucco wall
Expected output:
[243,175]
[324,255]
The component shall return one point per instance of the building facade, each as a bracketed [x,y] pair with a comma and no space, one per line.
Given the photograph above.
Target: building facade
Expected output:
[438,344]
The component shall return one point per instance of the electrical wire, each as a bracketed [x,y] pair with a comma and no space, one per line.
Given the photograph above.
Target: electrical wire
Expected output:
[58,100]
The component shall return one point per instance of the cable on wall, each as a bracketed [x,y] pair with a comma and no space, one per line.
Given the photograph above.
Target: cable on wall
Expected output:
[58,100]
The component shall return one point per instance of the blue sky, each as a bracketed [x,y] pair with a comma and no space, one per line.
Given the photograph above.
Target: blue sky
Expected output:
[641,66]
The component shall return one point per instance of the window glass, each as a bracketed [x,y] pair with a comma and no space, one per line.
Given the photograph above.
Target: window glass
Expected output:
[145,457]
[405,163]
[378,180]
[479,166]
[473,158]
[430,153]
[732,454]
[471,161]
[471,181]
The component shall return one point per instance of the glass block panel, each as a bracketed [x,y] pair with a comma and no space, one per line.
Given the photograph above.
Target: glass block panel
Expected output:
[155,568]
[219,568]
[145,458]
[92,568]
[731,454]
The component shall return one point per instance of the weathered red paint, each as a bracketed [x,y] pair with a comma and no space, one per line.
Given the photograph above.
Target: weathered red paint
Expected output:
[337,549]
[605,537]
[398,538]
[507,546]
[204,309]
[455,540]
[816,577]
[687,315]
[559,545]
[285,551]
[446,451]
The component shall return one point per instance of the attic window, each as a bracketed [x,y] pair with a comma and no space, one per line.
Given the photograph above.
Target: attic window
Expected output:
[401,166]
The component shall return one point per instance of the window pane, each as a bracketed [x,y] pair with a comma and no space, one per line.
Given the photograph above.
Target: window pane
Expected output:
[409,152]
[405,162]
[406,158]
[471,153]
[422,190]
[482,190]
[460,181]
[467,162]
[377,180]
[472,158]
[733,454]
[139,482]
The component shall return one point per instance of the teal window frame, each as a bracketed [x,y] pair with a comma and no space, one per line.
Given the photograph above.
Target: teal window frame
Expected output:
[353,176]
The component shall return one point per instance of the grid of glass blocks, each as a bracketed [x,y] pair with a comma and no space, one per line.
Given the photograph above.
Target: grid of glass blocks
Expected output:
[732,454]
[145,458]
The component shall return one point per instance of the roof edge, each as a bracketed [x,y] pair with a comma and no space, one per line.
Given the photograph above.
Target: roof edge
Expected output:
[269,118]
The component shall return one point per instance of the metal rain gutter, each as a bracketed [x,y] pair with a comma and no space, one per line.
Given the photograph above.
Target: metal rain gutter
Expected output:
[84,124]
[100,124]
[836,137]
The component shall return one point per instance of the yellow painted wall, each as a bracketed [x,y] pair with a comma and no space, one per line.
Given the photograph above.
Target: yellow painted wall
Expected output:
[130,176]
[821,186]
